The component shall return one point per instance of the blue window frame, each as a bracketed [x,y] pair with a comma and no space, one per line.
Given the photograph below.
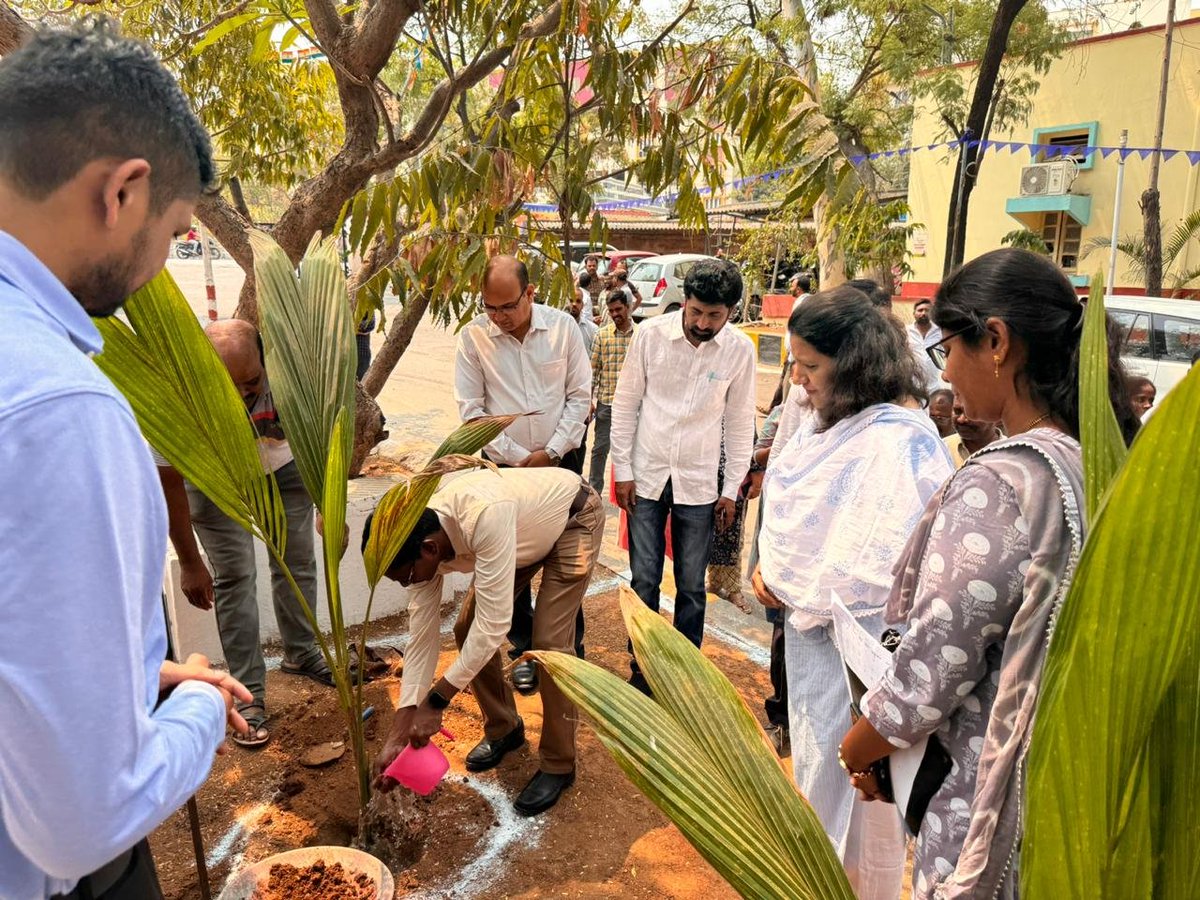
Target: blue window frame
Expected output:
[1049,134]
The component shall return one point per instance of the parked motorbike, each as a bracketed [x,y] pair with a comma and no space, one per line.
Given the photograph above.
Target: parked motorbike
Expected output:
[192,250]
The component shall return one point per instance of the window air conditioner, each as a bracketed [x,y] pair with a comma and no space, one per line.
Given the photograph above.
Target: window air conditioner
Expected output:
[1050,178]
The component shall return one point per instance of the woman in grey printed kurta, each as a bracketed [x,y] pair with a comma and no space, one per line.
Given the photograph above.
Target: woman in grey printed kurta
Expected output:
[968,566]
[986,571]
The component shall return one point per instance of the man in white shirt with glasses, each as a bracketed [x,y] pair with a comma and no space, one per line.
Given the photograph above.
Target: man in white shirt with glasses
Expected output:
[525,357]
[686,390]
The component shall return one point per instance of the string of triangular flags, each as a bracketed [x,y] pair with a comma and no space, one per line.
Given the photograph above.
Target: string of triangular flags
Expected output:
[1047,151]
[667,199]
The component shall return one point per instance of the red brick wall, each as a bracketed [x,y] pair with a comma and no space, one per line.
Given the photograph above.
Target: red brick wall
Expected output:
[661,242]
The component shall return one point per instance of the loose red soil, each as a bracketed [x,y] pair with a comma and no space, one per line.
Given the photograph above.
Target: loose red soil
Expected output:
[603,839]
[318,881]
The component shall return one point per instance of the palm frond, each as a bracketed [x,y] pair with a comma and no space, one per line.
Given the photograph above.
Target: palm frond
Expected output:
[398,510]
[308,339]
[187,406]
[1181,235]
[697,752]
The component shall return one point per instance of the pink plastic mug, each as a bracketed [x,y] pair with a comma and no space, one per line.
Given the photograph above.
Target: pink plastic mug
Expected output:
[420,770]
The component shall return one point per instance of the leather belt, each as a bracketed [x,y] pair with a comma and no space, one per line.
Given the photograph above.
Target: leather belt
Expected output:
[580,501]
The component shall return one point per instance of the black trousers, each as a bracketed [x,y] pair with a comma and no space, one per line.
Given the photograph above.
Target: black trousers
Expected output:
[776,705]
[520,633]
[131,876]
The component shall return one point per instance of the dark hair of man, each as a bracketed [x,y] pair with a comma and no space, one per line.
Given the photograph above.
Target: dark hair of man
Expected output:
[873,292]
[924,301]
[804,282]
[617,298]
[1032,296]
[941,393]
[714,281]
[74,95]
[1135,383]
[585,280]
[427,524]
[509,264]
[872,359]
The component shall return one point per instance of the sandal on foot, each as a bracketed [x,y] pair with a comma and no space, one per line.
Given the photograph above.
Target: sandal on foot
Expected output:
[316,670]
[256,718]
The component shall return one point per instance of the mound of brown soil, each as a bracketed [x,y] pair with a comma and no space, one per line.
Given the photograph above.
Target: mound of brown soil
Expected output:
[317,881]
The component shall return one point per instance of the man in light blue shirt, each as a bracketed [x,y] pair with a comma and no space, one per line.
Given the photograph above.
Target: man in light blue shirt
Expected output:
[101,162]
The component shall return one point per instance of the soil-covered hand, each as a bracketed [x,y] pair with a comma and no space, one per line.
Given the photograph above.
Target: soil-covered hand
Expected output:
[396,741]
[196,582]
[196,668]
[426,722]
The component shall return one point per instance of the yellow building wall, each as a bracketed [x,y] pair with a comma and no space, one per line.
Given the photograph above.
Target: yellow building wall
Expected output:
[1110,80]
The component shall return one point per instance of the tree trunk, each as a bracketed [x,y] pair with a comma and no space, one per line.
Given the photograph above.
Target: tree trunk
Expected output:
[830,263]
[399,336]
[1151,210]
[368,418]
[14,30]
[1152,224]
[368,428]
[977,118]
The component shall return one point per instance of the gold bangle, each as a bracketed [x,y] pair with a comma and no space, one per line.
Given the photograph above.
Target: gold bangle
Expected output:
[845,765]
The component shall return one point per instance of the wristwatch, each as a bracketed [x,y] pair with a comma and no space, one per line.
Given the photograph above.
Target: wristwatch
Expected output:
[555,457]
[436,700]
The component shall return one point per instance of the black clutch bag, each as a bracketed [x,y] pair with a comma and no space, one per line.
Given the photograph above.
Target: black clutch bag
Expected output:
[935,764]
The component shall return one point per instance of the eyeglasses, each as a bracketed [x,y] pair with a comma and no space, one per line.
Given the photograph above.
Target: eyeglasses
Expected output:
[505,310]
[938,353]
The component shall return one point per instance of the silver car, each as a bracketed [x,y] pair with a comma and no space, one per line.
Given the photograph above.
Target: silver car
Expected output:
[660,281]
[1161,337]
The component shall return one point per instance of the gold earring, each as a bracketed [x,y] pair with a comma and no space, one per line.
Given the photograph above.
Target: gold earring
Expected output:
[996,362]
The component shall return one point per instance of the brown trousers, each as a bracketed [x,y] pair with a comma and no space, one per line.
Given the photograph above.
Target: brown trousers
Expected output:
[566,572]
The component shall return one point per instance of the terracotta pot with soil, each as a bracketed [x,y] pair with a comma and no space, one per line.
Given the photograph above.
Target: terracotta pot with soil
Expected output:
[313,873]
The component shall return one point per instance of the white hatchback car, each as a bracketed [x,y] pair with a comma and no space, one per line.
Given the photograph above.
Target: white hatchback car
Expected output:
[660,281]
[1161,337]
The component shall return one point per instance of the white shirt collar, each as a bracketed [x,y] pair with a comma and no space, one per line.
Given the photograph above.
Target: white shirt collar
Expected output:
[675,331]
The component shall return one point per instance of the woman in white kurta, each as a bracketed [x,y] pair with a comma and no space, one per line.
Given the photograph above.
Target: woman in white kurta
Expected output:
[840,501]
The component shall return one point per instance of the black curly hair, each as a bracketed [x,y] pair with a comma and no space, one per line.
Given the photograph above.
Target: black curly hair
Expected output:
[714,281]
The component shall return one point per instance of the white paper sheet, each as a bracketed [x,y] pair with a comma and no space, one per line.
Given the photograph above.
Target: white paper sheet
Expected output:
[866,661]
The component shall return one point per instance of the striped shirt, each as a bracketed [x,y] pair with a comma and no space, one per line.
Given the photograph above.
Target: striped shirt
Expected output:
[608,354]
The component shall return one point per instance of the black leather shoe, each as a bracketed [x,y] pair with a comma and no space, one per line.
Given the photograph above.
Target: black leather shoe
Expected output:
[525,678]
[542,792]
[487,754]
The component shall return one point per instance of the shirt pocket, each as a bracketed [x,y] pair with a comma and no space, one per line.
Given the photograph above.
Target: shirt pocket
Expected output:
[554,380]
[711,393]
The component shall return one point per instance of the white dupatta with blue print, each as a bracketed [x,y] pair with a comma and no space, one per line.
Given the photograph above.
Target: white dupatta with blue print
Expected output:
[840,505]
